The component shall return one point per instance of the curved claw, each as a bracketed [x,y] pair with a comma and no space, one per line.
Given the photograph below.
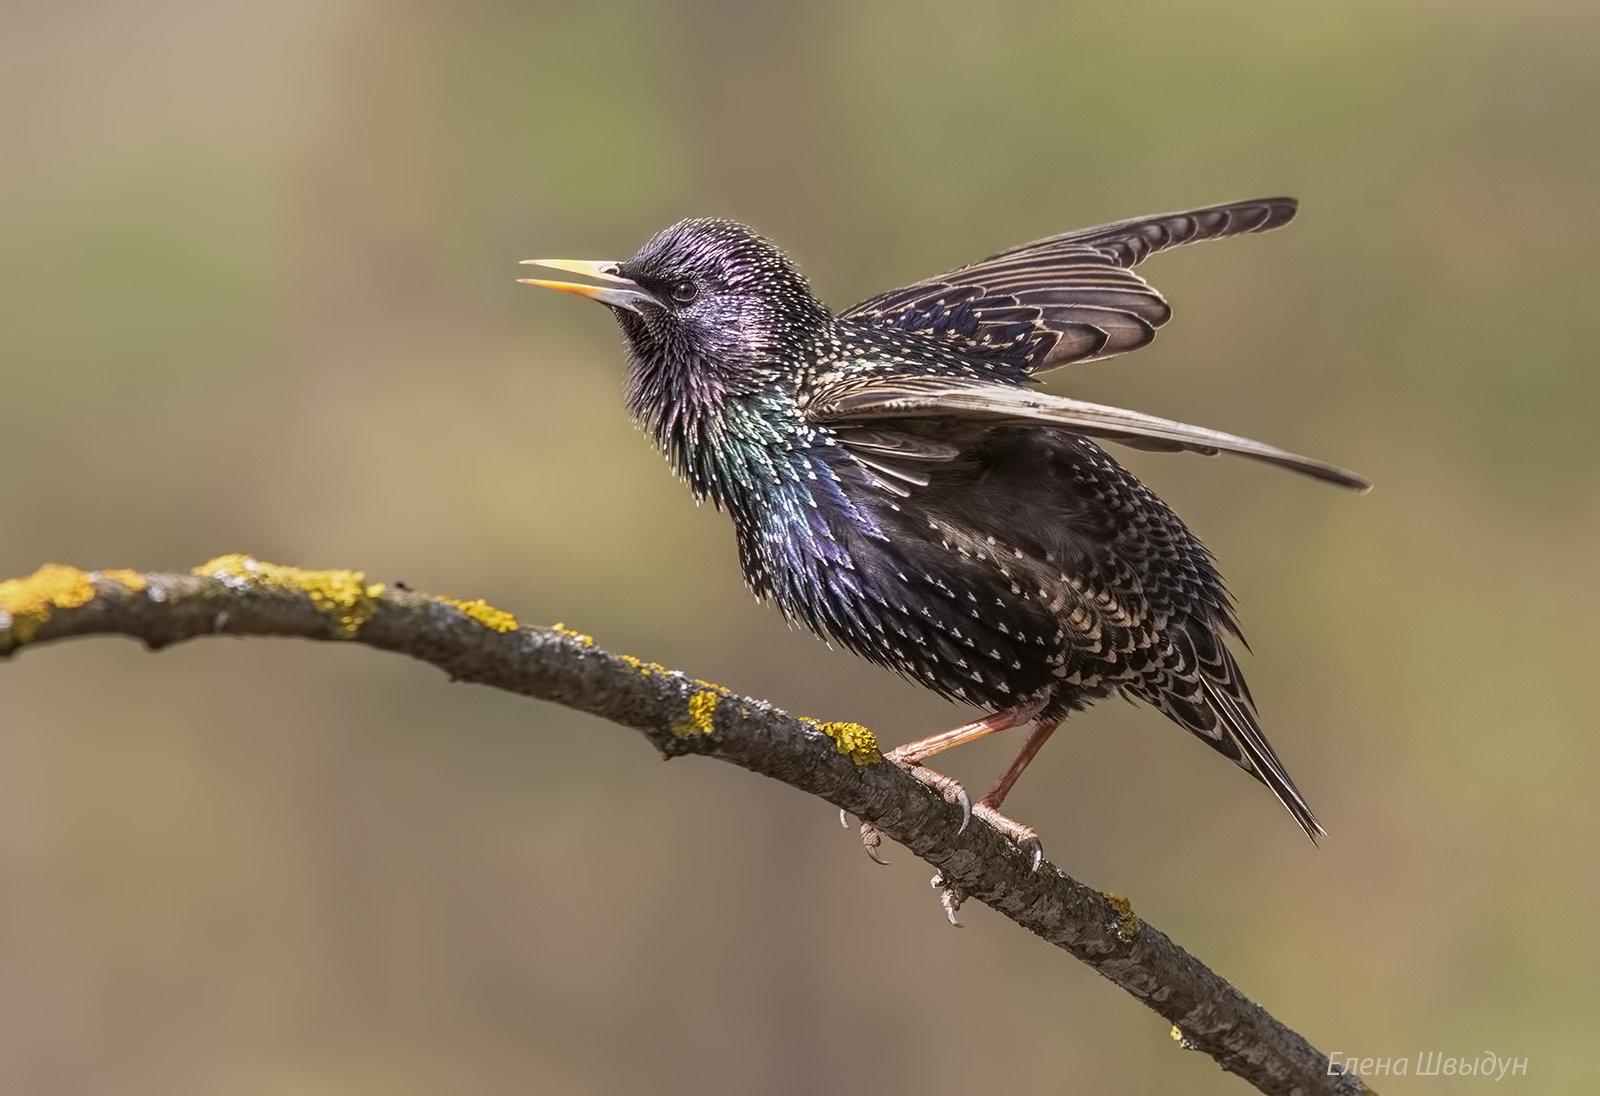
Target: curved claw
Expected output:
[1024,837]
[871,838]
[950,897]
[948,787]
[964,801]
[1027,842]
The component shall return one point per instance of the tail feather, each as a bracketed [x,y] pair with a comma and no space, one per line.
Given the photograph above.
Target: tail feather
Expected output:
[1256,756]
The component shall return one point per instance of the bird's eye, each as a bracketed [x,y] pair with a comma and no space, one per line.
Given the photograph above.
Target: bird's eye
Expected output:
[685,291]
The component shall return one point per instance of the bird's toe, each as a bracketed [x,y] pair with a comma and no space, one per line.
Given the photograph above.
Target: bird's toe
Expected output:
[871,839]
[1024,837]
[950,897]
[948,787]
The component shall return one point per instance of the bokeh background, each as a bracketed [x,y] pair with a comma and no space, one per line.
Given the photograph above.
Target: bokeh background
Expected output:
[258,297]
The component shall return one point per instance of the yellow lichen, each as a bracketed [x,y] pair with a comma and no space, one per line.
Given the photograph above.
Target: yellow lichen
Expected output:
[702,710]
[582,640]
[851,739]
[1180,1038]
[497,620]
[344,597]
[26,603]
[643,667]
[701,716]
[1127,924]
[128,580]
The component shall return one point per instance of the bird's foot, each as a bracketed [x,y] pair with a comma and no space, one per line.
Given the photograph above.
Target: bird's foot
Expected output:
[950,897]
[1024,837]
[947,786]
[871,837]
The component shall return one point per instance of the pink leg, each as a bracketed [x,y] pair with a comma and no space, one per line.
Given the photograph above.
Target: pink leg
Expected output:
[923,748]
[910,757]
[988,808]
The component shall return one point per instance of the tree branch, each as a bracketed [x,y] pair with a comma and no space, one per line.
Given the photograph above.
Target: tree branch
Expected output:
[839,762]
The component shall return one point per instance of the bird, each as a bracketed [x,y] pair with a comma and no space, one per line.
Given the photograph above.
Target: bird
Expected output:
[899,484]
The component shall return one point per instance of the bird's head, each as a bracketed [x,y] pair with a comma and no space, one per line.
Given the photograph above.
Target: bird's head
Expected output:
[719,325]
[709,309]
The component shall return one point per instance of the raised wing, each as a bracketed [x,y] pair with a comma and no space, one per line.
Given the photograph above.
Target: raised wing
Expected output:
[869,410]
[1065,299]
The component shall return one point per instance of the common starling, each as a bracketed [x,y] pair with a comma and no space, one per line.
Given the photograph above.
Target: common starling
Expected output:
[899,485]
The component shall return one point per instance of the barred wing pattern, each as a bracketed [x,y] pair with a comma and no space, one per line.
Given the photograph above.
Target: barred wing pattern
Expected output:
[1064,299]
[1141,607]
[875,404]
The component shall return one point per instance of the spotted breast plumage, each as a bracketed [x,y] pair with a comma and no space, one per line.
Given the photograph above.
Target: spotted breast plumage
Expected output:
[899,485]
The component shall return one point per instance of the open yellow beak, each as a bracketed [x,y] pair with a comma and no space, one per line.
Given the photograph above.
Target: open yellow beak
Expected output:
[616,291]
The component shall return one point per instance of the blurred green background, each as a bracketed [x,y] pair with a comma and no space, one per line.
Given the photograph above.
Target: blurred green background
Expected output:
[258,297]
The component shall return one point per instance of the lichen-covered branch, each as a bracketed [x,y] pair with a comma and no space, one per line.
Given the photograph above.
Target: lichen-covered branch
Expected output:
[471,641]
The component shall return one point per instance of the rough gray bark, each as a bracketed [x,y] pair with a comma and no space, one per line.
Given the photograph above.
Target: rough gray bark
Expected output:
[472,642]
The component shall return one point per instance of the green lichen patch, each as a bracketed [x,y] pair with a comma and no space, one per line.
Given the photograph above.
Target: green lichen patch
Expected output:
[496,620]
[26,603]
[701,715]
[1127,924]
[851,739]
[344,597]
